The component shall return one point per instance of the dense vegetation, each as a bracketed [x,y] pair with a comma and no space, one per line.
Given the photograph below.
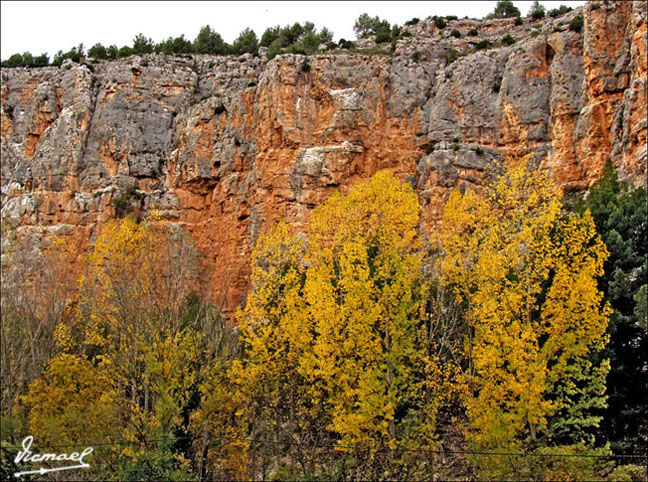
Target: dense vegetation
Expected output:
[297,38]
[364,351]
[621,216]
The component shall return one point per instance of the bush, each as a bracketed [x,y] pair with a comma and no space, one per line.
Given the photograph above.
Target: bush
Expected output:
[123,202]
[479,151]
[628,473]
[595,6]
[296,49]
[537,11]
[518,21]
[15,60]
[440,23]
[576,24]
[413,21]
[557,12]
[98,51]
[158,464]
[483,45]
[373,51]
[305,66]
[346,44]
[507,40]
[455,33]
[451,17]
[497,85]
[382,37]
[450,56]
[75,54]
[416,56]
[473,32]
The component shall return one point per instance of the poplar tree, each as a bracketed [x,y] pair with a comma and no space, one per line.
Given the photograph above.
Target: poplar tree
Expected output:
[528,272]
[364,290]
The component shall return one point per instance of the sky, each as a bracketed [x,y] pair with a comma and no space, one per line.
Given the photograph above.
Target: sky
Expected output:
[40,27]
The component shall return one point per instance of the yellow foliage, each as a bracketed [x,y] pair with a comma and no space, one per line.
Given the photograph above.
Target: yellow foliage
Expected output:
[334,326]
[528,273]
[72,402]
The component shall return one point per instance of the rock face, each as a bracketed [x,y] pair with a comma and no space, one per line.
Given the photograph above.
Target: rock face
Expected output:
[227,146]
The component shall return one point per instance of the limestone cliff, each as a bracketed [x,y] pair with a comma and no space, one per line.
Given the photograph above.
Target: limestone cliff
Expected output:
[227,146]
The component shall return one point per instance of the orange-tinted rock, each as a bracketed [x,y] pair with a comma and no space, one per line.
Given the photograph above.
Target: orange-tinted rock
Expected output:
[227,146]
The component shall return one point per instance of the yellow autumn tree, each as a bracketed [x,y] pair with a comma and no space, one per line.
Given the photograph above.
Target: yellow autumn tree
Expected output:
[364,290]
[527,272]
[336,345]
[275,332]
[132,321]
[74,402]
[131,295]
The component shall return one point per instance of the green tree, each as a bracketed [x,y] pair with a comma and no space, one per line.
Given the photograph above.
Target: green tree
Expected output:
[75,54]
[142,45]
[177,45]
[209,42]
[537,10]
[310,43]
[27,59]
[15,60]
[124,52]
[620,215]
[504,9]
[561,10]
[98,51]
[246,42]
[290,35]
[41,61]
[366,25]
[111,52]
[270,35]
[325,35]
